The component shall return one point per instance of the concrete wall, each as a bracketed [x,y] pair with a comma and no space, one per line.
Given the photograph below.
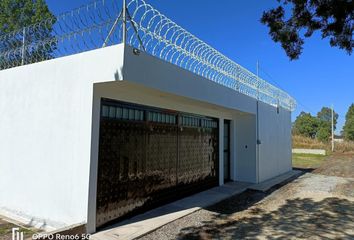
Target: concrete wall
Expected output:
[309,151]
[275,137]
[166,77]
[45,136]
[245,152]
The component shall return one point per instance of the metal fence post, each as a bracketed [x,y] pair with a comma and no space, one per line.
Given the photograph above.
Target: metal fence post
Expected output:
[23,46]
[238,79]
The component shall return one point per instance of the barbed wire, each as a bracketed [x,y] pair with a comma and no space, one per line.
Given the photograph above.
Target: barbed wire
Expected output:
[99,24]
[163,38]
[82,29]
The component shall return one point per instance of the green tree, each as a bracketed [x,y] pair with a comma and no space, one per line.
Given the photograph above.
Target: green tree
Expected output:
[325,123]
[306,125]
[15,15]
[325,115]
[334,18]
[348,129]
[323,134]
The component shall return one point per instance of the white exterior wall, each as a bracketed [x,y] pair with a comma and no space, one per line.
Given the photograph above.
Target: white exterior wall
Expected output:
[155,73]
[245,152]
[45,136]
[49,127]
[275,137]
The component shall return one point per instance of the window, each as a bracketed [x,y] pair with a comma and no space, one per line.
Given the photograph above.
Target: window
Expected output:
[122,113]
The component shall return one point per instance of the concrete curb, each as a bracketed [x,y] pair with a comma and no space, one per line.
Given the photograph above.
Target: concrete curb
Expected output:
[266,185]
[309,151]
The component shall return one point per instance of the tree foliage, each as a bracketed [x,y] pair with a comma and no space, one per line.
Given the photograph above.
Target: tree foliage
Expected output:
[325,115]
[306,125]
[348,129]
[324,132]
[319,126]
[333,18]
[15,15]
[325,123]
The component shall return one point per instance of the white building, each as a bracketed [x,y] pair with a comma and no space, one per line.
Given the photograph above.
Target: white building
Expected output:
[94,136]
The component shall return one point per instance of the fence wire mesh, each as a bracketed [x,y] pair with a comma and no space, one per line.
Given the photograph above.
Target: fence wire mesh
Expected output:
[100,24]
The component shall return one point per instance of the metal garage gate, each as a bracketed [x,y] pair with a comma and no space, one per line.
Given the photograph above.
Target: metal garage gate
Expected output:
[150,156]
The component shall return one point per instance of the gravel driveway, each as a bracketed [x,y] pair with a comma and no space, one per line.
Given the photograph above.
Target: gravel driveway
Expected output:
[316,205]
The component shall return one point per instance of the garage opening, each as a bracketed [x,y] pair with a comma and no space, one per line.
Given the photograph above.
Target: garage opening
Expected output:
[150,156]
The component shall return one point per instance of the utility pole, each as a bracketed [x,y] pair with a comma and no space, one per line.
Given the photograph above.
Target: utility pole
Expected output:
[257,80]
[124,16]
[332,129]
[257,124]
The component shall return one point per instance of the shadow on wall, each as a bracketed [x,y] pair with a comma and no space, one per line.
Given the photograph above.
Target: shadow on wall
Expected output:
[298,218]
[118,74]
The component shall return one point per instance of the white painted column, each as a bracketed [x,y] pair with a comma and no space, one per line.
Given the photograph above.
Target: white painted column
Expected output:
[221,151]
[257,143]
[91,211]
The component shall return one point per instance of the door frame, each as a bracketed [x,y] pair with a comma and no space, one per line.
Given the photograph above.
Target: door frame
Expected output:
[228,124]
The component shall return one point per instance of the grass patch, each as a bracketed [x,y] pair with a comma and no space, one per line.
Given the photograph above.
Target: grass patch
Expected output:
[301,160]
[6,230]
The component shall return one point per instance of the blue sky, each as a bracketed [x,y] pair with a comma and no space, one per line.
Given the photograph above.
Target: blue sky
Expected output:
[322,76]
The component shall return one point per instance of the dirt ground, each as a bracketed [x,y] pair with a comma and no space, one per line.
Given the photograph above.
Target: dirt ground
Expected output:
[317,205]
[339,164]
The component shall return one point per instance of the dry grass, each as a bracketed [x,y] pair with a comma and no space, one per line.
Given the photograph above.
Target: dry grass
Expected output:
[309,143]
[344,147]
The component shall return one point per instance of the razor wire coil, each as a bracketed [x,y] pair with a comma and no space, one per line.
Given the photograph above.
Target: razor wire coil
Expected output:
[91,26]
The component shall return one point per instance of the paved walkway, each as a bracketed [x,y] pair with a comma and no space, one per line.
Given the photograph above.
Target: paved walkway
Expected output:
[158,217]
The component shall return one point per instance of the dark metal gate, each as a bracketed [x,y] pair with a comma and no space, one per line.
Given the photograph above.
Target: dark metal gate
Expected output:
[150,156]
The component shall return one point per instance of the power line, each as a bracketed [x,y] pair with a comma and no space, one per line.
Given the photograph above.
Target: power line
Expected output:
[299,102]
[278,85]
[273,80]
